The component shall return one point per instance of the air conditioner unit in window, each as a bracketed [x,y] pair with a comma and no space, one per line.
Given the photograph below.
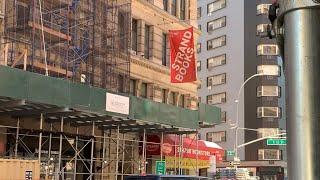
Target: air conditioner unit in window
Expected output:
[209,87]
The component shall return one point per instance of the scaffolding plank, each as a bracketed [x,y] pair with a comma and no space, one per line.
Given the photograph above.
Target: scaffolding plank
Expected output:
[50,33]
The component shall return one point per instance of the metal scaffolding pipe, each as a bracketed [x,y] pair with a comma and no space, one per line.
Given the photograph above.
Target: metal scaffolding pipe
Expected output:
[60,148]
[144,152]
[103,154]
[123,153]
[17,139]
[117,153]
[76,156]
[92,152]
[50,141]
[40,137]
[161,153]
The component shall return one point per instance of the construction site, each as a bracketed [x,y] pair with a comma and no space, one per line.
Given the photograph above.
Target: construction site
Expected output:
[62,61]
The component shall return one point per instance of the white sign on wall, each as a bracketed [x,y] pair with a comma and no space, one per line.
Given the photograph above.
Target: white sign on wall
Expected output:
[117,104]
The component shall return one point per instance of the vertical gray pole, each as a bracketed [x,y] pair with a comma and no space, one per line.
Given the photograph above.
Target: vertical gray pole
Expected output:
[161,153]
[117,154]
[76,156]
[180,151]
[144,150]
[17,139]
[40,137]
[60,148]
[92,152]
[197,155]
[175,154]
[123,151]
[50,141]
[103,154]
[302,58]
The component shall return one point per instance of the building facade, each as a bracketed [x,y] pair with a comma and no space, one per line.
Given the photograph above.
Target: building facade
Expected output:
[234,47]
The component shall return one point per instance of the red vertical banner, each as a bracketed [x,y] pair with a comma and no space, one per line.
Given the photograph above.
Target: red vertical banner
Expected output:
[182,58]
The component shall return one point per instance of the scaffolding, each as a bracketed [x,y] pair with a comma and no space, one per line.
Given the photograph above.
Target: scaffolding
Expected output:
[86,41]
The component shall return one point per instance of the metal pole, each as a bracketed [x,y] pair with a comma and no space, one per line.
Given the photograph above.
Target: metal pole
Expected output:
[143,151]
[302,66]
[103,154]
[92,151]
[117,156]
[197,155]
[161,153]
[123,151]
[175,154]
[180,151]
[50,142]
[40,137]
[17,139]
[60,148]
[76,156]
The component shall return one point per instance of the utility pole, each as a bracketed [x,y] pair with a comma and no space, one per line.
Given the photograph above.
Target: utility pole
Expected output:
[297,29]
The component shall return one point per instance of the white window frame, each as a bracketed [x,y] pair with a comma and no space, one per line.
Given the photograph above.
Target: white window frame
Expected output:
[262,93]
[263,9]
[217,79]
[217,42]
[262,50]
[264,69]
[262,154]
[216,5]
[262,29]
[266,132]
[261,112]
[216,61]
[216,24]
[222,96]
[222,138]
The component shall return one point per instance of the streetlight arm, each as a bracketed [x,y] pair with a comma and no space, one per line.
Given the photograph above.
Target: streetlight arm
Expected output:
[260,139]
[245,82]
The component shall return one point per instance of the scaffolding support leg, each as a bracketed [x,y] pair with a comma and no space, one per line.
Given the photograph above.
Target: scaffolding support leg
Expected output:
[103,154]
[180,150]
[40,137]
[144,153]
[197,155]
[161,153]
[60,149]
[50,142]
[76,157]
[123,153]
[175,155]
[17,139]
[92,151]
[117,154]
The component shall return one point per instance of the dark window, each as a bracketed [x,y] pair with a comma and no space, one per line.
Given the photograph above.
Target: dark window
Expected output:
[134,35]
[144,90]
[174,7]
[133,87]
[181,101]
[122,23]
[164,49]
[172,98]
[199,12]
[183,9]
[164,96]
[165,5]
[223,116]
[147,42]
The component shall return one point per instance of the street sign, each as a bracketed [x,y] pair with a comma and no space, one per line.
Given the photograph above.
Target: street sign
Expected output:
[160,167]
[230,153]
[276,142]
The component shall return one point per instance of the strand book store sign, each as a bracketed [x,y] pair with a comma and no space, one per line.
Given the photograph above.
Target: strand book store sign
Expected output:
[182,58]
[117,104]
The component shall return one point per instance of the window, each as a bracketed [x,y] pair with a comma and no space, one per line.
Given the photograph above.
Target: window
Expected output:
[147,41]
[172,98]
[216,24]
[198,47]
[216,98]
[199,12]
[199,27]
[266,132]
[267,49]
[223,116]
[268,91]
[269,154]
[216,80]
[216,42]
[273,112]
[144,90]
[262,29]
[182,9]
[133,87]
[263,9]
[215,6]
[198,65]
[270,70]
[174,7]
[164,49]
[164,96]
[165,5]
[217,136]
[134,35]
[216,61]
[181,101]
